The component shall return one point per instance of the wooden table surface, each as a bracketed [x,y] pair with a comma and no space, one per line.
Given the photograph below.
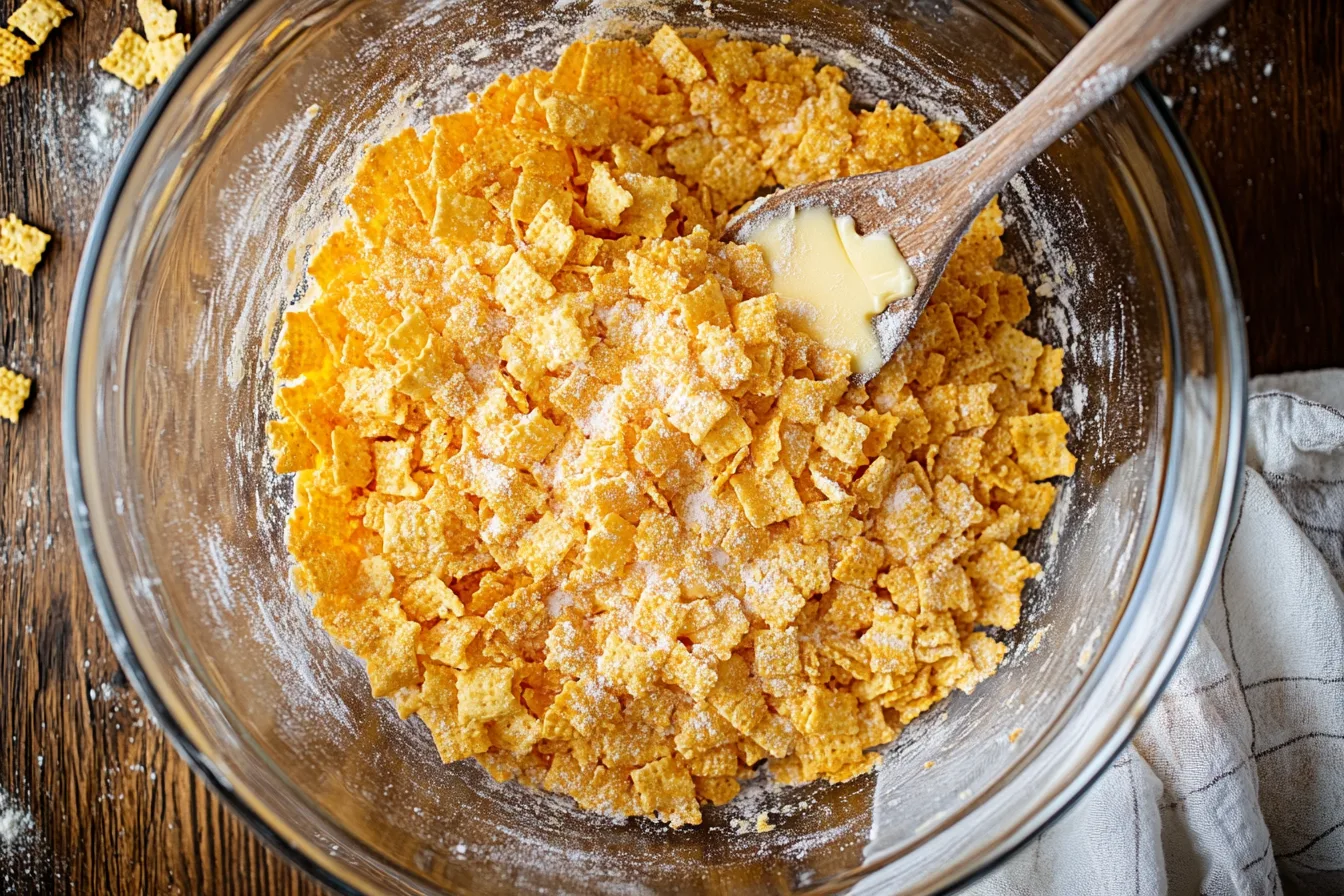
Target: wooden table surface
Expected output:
[114,808]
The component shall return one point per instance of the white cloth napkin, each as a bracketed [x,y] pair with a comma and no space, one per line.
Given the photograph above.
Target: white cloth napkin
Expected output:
[1235,782]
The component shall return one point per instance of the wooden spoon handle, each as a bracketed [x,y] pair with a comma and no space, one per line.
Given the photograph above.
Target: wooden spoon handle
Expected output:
[1124,43]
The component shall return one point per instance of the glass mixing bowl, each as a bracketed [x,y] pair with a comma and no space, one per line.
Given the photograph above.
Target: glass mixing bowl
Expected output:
[236,172]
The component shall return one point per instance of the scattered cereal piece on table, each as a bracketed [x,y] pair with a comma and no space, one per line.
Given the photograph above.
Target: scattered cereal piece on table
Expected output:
[160,22]
[38,18]
[14,389]
[165,54]
[21,245]
[14,53]
[129,59]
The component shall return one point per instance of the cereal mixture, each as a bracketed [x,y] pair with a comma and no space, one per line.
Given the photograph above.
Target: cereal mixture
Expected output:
[578,496]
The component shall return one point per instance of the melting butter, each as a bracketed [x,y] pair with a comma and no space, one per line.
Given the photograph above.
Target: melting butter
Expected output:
[832,282]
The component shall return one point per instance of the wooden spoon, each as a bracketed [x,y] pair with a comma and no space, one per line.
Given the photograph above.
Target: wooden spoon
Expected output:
[928,208]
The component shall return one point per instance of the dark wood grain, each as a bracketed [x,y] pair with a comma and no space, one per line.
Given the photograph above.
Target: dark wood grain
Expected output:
[1260,94]
[116,811]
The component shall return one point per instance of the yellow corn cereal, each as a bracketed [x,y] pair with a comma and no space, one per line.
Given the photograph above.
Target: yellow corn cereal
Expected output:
[14,54]
[160,22]
[14,389]
[21,245]
[38,18]
[129,59]
[165,54]
[586,503]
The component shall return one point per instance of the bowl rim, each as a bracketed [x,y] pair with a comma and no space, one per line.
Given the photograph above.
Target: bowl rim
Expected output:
[1230,487]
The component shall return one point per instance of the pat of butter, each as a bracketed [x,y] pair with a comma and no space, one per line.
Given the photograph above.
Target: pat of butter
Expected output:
[832,282]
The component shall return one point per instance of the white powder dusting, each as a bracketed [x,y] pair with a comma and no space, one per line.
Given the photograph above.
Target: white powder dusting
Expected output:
[556,602]
[87,139]
[1214,52]
[18,831]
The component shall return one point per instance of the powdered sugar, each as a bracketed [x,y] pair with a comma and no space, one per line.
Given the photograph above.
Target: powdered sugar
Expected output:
[16,825]
[19,845]
[1213,52]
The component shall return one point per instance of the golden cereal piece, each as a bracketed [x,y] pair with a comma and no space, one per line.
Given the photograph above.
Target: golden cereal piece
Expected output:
[1042,451]
[675,57]
[129,59]
[165,54]
[160,22]
[14,53]
[14,389]
[38,18]
[21,245]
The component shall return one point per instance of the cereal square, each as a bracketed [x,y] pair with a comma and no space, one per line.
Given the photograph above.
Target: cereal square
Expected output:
[665,789]
[727,437]
[428,599]
[776,656]
[351,458]
[14,54]
[859,562]
[607,198]
[393,465]
[756,319]
[160,22]
[695,409]
[675,57]
[128,59]
[767,498]
[842,437]
[38,18]
[165,55]
[291,449]
[14,389]
[1040,443]
[532,194]
[21,245]
[650,205]
[460,219]
[583,121]
[301,348]
[546,543]
[485,693]
[610,545]
[703,305]
[520,289]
